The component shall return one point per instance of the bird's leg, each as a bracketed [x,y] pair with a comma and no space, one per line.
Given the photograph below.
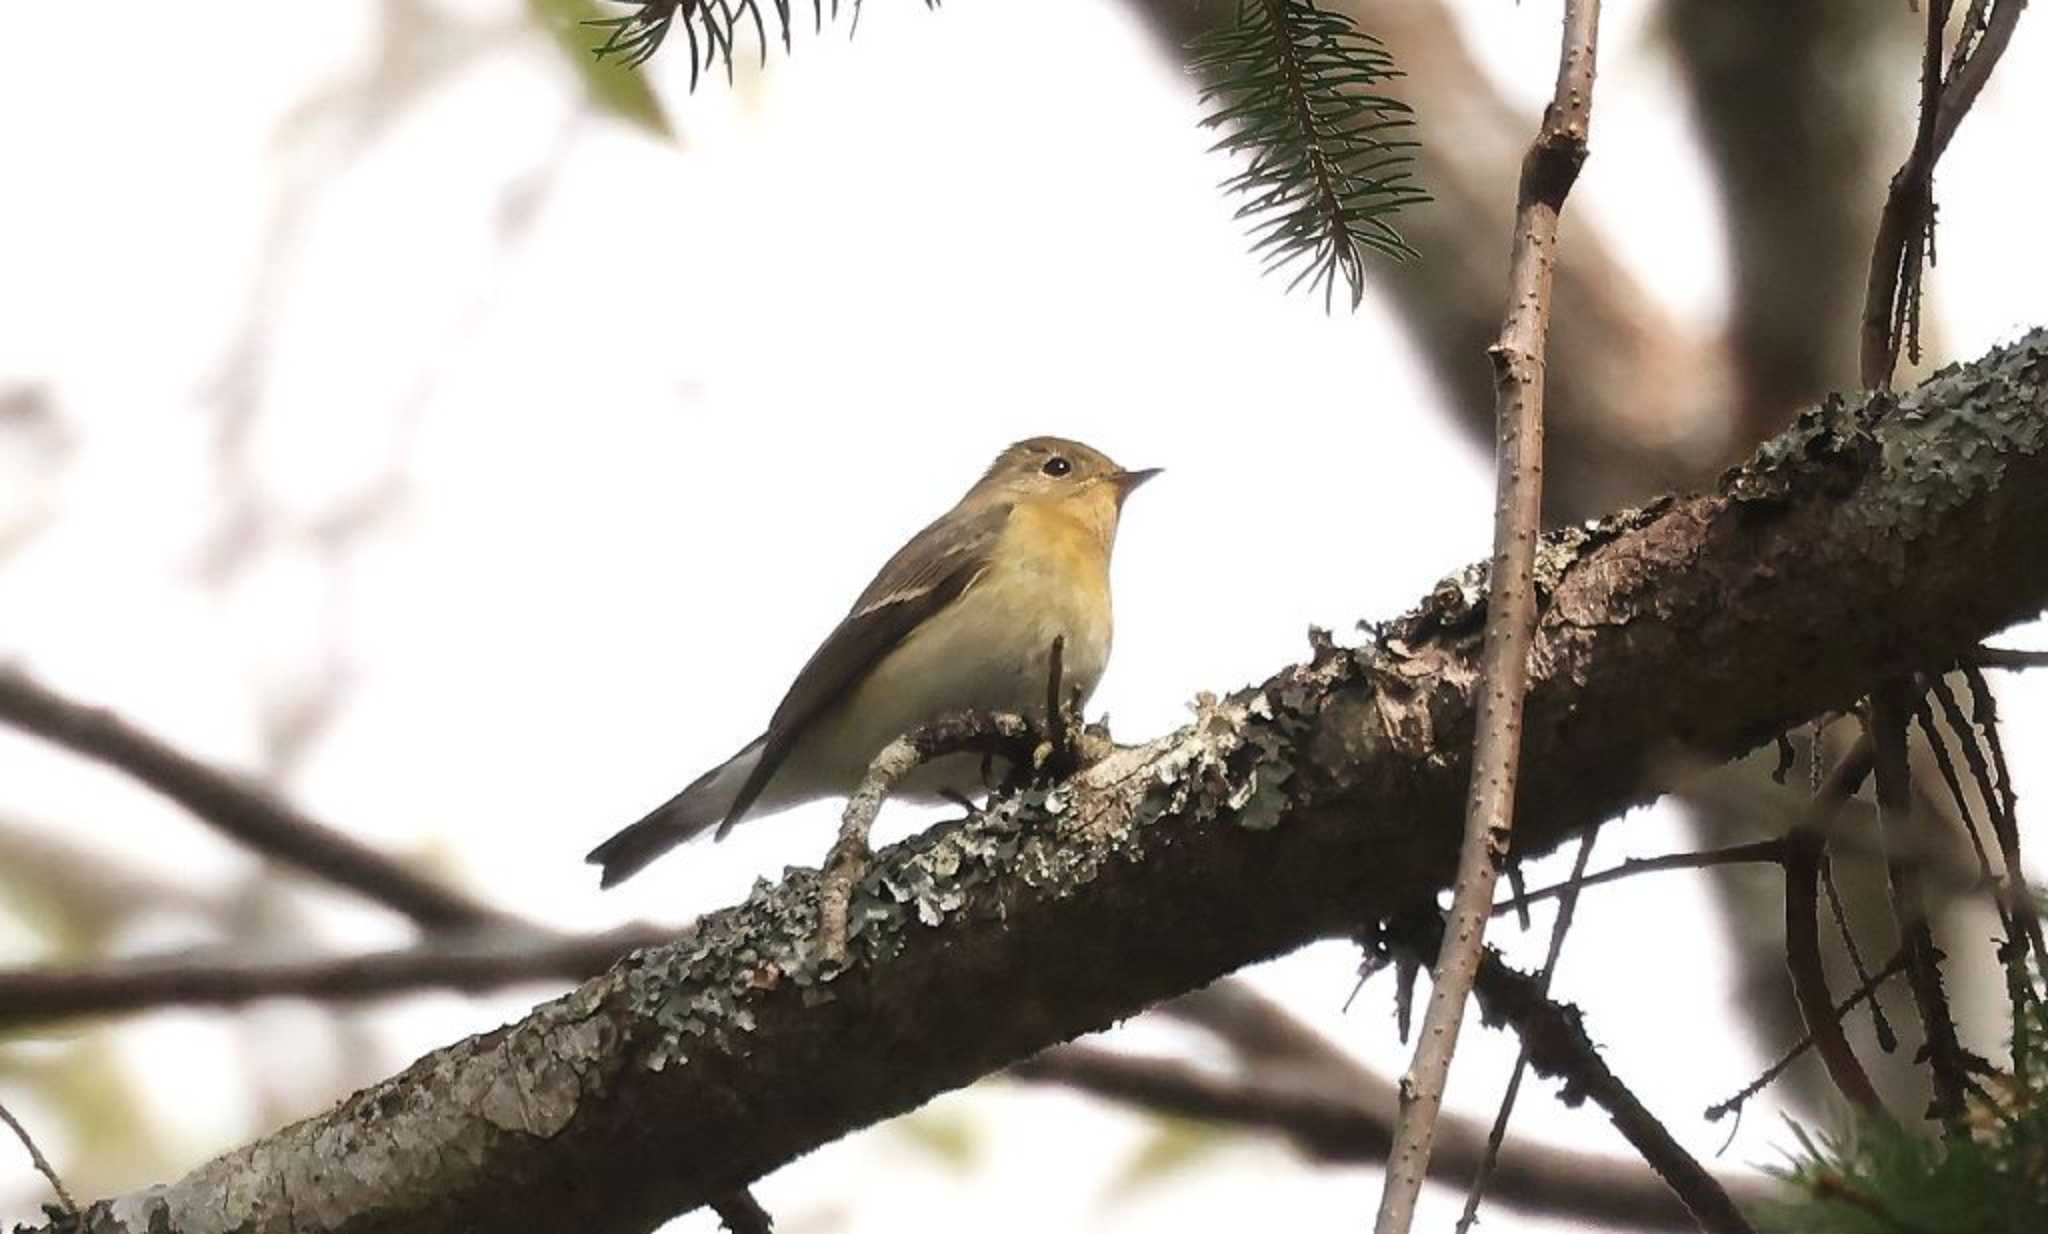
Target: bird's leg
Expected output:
[1056,752]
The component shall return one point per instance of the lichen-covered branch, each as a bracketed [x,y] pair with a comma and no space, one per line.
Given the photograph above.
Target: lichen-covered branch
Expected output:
[1876,536]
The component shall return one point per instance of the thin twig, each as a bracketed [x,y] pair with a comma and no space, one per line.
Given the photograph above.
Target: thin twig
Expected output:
[1966,79]
[1052,750]
[1890,706]
[1719,1110]
[1891,296]
[1905,228]
[1945,766]
[455,962]
[1567,906]
[2002,804]
[981,732]
[1755,852]
[1348,1117]
[242,809]
[1887,1040]
[1805,844]
[1555,1036]
[2013,658]
[1548,171]
[41,1163]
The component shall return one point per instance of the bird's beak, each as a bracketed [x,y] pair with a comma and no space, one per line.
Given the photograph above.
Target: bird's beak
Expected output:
[1125,481]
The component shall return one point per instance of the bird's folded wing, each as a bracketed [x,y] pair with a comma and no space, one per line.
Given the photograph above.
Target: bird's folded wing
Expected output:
[924,576]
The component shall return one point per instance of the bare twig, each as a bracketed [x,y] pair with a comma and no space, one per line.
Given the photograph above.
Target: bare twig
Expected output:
[2001,802]
[1905,229]
[1716,1112]
[1052,750]
[1887,1040]
[2013,658]
[1555,1037]
[1968,73]
[454,962]
[1920,712]
[1331,1119]
[1548,171]
[41,1163]
[981,732]
[1804,848]
[1566,907]
[1890,706]
[2007,897]
[245,811]
[1756,852]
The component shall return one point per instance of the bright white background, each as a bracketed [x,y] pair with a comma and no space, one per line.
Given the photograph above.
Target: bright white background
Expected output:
[644,415]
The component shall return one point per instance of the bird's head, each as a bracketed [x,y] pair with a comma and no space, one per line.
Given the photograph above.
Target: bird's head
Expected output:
[1056,470]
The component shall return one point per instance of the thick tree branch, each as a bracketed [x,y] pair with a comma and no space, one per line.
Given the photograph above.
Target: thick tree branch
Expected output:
[1875,537]
[242,809]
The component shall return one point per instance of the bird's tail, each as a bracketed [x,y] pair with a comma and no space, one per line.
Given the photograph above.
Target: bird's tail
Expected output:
[700,807]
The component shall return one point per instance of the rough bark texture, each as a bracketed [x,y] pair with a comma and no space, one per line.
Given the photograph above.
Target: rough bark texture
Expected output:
[1873,537]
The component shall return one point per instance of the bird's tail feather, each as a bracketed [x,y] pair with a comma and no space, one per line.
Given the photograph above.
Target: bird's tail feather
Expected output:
[698,808]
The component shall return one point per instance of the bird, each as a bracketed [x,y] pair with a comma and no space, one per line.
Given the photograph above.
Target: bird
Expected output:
[962,618]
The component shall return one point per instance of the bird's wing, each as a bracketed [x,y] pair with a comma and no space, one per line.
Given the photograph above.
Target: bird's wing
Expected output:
[923,577]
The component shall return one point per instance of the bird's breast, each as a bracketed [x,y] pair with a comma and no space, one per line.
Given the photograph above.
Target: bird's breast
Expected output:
[990,649]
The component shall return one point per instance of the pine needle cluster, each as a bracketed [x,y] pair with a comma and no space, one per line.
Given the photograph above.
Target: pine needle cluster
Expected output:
[1882,1178]
[1295,86]
[712,28]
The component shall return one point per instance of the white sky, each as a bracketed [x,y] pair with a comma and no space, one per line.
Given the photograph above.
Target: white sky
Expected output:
[651,443]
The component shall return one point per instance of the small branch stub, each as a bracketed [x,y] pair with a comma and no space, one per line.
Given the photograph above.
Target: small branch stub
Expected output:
[994,733]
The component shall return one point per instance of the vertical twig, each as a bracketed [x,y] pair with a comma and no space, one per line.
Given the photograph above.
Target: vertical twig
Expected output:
[1890,706]
[1804,847]
[1567,907]
[2001,804]
[1555,1036]
[1905,228]
[1548,171]
[41,1163]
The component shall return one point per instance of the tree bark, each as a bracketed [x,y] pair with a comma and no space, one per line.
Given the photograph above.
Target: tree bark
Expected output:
[1876,536]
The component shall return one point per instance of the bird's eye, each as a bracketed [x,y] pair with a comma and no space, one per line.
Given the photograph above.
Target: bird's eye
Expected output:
[1056,466]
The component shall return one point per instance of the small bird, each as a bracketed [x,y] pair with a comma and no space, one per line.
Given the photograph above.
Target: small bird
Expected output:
[961,618]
